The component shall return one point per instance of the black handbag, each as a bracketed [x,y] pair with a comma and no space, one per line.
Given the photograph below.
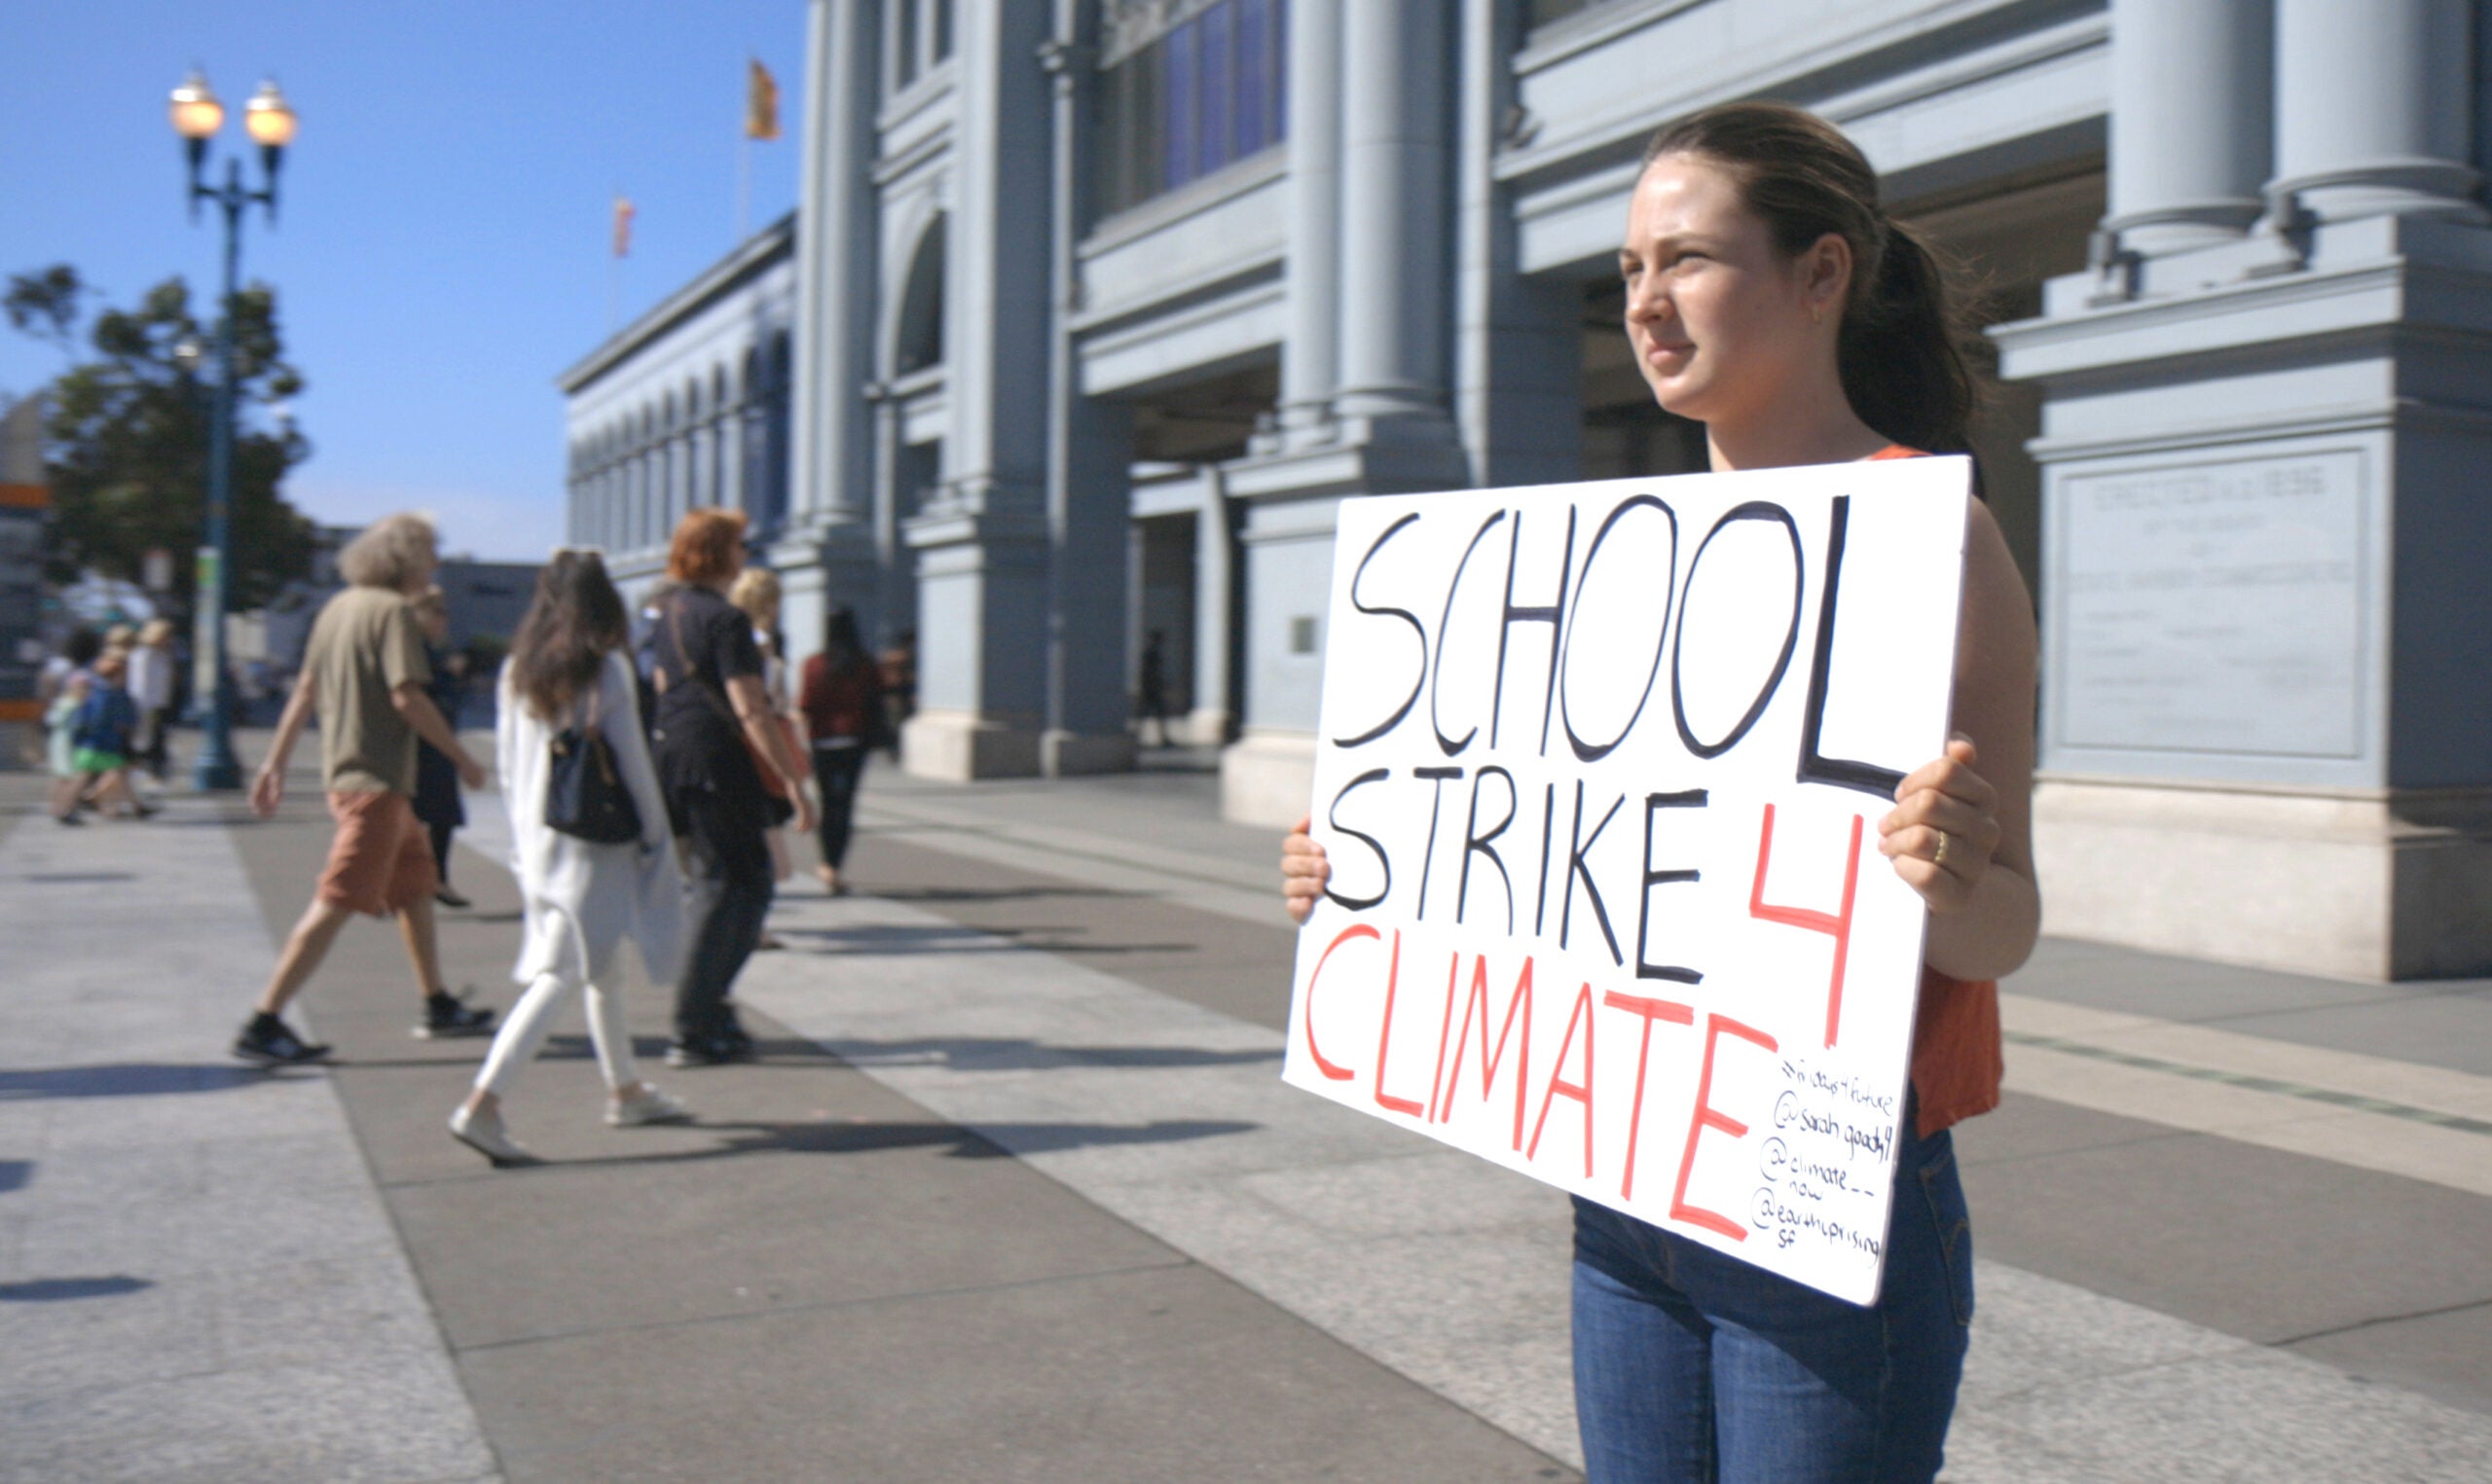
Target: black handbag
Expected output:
[585,796]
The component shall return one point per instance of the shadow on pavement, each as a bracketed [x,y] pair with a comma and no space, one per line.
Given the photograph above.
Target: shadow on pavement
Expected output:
[1018,1053]
[1009,1140]
[49,1291]
[956,894]
[886,939]
[123,1079]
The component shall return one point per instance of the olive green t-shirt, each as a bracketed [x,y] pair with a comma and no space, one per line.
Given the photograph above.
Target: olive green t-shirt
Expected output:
[364,644]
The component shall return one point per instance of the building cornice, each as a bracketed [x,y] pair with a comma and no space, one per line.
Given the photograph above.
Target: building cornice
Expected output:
[762,250]
[1828,74]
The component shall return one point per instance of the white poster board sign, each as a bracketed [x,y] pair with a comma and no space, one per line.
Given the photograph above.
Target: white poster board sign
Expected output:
[1600,772]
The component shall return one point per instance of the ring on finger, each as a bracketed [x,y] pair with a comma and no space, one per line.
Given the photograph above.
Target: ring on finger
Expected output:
[1940,859]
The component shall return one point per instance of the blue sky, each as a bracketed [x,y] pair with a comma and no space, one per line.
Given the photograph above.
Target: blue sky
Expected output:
[442,249]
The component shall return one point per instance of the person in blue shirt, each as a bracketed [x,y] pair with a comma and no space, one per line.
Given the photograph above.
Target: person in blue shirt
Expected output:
[99,739]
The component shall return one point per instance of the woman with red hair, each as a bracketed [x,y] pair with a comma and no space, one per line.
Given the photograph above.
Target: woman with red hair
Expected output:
[713,734]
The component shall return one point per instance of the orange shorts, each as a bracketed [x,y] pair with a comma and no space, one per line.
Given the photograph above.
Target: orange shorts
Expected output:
[380,860]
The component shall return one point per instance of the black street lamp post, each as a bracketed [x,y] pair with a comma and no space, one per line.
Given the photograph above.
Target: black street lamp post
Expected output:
[196,117]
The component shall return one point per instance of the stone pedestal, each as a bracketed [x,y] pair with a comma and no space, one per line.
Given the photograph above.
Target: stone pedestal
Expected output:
[2376,883]
[829,562]
[2266,720]
[1267,777]
[1075,754]
[963,747]
[1288,498]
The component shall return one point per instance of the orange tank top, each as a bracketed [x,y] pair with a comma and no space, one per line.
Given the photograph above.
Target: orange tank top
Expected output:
[1957,1060]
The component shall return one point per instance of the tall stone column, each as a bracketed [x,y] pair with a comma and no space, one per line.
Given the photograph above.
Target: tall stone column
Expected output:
[835,265]
[1518,352]
[1088,456]
[1377,168]
[1392,204]
[825,551]
[984,545]
[2375,113]
[1215,609]
[1311,365]
[2190,124]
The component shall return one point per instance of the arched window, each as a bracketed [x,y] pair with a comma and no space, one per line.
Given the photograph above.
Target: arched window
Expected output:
[777,456]
[687,455]
[918,340]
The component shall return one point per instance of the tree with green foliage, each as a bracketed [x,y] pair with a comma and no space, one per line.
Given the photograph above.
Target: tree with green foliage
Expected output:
[127,434]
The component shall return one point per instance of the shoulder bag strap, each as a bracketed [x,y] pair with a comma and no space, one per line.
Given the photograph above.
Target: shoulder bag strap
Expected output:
[718,699]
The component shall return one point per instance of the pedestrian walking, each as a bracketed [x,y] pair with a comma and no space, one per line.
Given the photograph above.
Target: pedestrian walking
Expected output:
[151,686]
[1771,298]
[715,732]
[898,662]
[1153,683]
[364,671]
[437,802]
[569,678]
[755,595]
[100,739]
[841,700]
[62,688]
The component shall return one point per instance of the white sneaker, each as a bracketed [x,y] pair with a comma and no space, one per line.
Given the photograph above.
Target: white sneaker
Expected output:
[652,1105]
[484,1134]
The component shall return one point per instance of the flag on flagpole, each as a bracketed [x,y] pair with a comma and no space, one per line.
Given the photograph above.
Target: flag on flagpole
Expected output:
[761,104]
[623,213]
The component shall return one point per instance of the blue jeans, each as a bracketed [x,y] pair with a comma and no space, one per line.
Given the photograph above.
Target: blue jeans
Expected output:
[1691,1365]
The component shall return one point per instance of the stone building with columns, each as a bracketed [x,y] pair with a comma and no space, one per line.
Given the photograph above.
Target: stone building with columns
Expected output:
[1102,306]
[688,405]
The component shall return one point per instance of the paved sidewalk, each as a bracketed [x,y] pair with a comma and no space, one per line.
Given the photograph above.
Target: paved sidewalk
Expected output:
[198,1279]
[1018,1194]
[819,1280]
[2201,1264]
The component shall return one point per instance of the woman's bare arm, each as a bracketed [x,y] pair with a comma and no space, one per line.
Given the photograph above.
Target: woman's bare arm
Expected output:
[761,729]
[1984,906]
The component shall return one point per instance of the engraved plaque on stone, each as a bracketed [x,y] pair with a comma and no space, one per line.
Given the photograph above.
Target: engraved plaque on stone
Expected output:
[2213,607]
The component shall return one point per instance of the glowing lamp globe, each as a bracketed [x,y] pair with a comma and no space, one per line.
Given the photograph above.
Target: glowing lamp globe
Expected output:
[196,113]
[268,118]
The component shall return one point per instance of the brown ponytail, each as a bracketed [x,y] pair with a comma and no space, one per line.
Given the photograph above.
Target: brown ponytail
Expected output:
[1902,352]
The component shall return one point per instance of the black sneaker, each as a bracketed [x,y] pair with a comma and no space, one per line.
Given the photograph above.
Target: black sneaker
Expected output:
[68,819]
[707,1051]
[451,899]
[446,1016]
[265,1039]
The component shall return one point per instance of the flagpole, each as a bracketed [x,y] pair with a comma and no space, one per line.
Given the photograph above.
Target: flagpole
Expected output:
[744,185]
[618,246]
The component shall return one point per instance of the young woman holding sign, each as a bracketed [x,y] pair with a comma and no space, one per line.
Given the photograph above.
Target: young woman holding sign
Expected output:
[1769,297]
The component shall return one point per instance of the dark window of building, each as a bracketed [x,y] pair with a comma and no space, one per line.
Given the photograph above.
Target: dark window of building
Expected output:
[919,343]
[1544,12]
[921,38]
[778,452]
[905,44]
[1186,90]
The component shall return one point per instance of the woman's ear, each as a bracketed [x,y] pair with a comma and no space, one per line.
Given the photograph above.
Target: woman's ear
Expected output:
[1826,275]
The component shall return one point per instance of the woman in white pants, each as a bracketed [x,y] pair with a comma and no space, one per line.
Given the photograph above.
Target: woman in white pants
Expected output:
[568,666]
